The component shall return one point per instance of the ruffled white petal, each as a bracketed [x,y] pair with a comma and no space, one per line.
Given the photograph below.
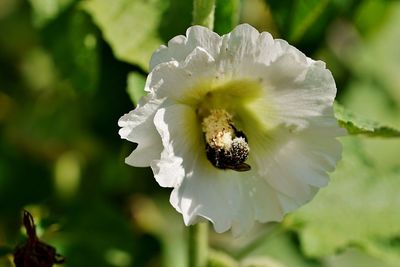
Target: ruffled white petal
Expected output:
[296,163]
[310,95]
[175,79]
[243,59]
[180,47]
[226,198]
[138,127]
[180,135]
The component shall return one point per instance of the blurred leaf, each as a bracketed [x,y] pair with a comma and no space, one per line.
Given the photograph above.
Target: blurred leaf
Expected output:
[135,29]
[226,15]
[379,58]
[294,18]
[369,15]
[281,246]
[46,10]
[306,12]
[135,88]
[77,55]
[39,59]
[374,58]
[354,257]
[374,93]
[355,125]
[358,208]
[382,151]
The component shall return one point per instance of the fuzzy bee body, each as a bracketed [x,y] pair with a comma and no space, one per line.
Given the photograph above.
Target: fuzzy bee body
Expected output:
[233,159]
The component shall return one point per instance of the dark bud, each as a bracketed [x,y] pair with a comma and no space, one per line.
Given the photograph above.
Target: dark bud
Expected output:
[34,253]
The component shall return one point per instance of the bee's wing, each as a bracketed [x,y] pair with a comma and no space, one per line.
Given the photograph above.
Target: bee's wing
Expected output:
[243,167]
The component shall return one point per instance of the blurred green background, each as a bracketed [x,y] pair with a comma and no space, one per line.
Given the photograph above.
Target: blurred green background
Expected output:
[69,69]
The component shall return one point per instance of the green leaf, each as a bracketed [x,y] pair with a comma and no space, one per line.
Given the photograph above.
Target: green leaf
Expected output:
[226,15]
[135,29]
[135,87]
[358,208]
[355,125]
[129,27]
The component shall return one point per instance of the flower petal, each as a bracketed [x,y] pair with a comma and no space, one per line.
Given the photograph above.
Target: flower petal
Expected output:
[179,131]
[245,50]
[226,198]
[297,163]
[294,92]
[309,95]
[176,79]
[180,46]
[137,126]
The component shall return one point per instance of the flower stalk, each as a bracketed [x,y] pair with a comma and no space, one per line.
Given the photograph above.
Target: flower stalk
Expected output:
[203,13]
[198,245]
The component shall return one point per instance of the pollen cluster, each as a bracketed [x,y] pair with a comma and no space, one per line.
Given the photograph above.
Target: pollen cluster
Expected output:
[218,129]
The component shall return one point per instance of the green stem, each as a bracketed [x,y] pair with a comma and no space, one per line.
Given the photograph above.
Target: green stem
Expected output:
[198,245]
[203,13]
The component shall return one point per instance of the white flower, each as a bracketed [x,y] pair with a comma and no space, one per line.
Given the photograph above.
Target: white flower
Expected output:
[240,126]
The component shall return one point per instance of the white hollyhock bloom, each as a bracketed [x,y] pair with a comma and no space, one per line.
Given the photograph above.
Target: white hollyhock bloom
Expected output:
[240,126]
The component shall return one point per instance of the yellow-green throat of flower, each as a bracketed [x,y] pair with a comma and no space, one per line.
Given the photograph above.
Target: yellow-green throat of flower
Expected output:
[226,147]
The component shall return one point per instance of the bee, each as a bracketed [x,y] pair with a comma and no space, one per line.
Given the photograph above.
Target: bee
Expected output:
[223,159]
[234,158]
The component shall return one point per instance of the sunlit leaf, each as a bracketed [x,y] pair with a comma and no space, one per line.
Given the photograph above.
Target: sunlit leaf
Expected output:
[135,29]
[355,125]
